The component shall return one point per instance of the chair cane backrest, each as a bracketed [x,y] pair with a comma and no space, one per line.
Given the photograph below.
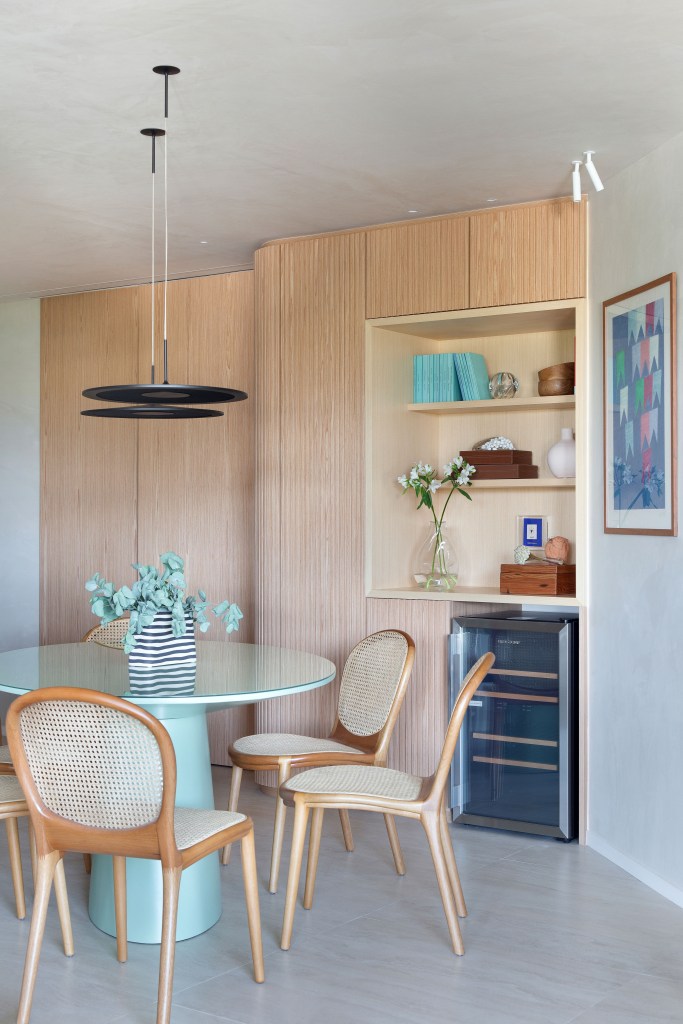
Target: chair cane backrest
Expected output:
[374,679]
[470,685]
[109,635]
[90,761]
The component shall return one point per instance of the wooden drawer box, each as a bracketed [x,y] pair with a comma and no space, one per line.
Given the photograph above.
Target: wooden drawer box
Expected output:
[538,579]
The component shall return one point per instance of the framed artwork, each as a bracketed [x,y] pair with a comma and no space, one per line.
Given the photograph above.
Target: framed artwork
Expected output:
[532,531]
[640,409]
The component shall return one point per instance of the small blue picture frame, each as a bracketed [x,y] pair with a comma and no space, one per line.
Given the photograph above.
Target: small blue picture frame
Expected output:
[533,531]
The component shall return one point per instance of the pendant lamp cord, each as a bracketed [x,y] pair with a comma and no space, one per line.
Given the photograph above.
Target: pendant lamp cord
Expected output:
[165,231]
[153,233]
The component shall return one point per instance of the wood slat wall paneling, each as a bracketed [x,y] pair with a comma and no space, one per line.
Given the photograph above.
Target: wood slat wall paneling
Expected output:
[418,268]
[421,727]
[88,507]
[269,463]
[321,449]
[531,253]
[196,477]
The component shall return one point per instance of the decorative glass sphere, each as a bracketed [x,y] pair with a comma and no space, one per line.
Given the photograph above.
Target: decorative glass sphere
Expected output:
[503,385]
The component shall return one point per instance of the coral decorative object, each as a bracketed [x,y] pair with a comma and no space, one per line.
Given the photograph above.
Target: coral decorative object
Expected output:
[557,548]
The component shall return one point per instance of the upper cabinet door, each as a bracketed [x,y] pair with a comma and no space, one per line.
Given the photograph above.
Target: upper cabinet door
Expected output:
[418,268]
[532,253]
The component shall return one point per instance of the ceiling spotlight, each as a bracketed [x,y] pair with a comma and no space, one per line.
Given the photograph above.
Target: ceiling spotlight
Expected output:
[576,181]
[590,167]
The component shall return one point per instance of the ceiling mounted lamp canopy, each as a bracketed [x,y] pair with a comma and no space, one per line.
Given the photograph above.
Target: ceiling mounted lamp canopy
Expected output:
[160,401]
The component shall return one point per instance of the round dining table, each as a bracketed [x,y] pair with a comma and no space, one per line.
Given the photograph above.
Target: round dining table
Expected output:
[228,674]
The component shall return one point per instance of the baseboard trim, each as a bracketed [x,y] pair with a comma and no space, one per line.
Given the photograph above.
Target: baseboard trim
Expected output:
[664,888]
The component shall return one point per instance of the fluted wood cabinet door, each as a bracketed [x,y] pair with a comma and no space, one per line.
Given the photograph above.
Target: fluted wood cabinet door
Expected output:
[269,462]
[418,268]
[114,492]
[531,253]
[88,466]
[316,499]
[196,477]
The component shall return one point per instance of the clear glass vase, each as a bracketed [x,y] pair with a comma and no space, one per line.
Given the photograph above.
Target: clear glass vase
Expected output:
[436,566]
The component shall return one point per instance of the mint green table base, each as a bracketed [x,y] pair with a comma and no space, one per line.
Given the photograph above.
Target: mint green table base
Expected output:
[200,889]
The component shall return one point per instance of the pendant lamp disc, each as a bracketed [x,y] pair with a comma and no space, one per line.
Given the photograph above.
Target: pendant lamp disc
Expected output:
[152,412]
[165,393]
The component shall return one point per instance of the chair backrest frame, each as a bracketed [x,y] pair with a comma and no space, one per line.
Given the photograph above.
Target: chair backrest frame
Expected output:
[109,635]
[155,839]
[470,685]
[377,743]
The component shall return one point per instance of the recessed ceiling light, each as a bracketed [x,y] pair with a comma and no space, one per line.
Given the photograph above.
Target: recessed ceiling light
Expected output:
[412,211]
[491,200]
[203,243]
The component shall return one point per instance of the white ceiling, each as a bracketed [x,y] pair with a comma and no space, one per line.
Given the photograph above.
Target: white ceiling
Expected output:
[299,116]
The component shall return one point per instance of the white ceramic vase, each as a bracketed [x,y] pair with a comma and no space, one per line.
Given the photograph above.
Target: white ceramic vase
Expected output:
[562,456]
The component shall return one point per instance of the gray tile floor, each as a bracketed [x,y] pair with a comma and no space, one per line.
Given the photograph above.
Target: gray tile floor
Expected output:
[555,934]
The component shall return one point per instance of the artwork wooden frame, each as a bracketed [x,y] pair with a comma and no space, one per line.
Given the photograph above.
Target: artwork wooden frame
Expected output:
[639,406]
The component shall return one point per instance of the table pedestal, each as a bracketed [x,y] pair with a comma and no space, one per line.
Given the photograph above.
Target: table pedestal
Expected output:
[200,888]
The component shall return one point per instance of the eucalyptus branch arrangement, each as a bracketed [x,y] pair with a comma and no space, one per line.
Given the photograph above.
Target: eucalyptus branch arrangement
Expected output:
[153,592]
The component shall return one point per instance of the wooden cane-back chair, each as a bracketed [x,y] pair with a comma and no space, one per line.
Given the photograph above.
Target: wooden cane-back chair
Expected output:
[369,788]
[6,766]
[109,635]
[99,776]
[372,689]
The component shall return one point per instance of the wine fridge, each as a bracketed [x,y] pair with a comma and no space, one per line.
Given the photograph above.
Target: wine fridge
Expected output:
[516,763]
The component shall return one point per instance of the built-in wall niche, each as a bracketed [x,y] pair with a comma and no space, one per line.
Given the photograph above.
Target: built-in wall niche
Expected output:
[522,340]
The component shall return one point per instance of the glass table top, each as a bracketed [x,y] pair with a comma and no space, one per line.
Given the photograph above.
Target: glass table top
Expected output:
[228,673]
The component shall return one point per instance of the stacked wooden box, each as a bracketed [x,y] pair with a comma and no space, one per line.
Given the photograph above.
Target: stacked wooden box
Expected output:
[502,464]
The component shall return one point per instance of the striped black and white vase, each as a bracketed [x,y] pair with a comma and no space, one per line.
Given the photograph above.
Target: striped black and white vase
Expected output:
[163,664]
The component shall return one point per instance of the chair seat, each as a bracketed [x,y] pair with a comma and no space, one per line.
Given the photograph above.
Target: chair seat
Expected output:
[358,779]
[5,756]
[192,825]
[279,744]
[10,790]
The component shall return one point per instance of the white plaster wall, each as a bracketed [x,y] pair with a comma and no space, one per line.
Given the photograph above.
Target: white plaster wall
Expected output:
[635,653]
[19,472]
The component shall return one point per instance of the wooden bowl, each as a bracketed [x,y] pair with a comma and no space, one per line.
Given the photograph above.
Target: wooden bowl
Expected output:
[564,370]
[556,386]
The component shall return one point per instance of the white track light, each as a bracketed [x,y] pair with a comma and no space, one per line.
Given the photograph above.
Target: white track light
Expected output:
[590,167]
[576,181]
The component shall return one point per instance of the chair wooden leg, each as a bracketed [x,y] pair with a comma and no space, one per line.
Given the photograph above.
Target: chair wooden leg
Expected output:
[279,828]
[45,868]
[32,851]
[63,908]
[346,829]
[313,853]
[397,853]
[15,866]
[171,887]
[253,910]
[120,908]
[452,865]
[87,863]
[296,856]
[235,784]
[431,824]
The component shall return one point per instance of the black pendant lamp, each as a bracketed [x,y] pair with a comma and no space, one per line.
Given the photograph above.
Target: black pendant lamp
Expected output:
[160,401]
